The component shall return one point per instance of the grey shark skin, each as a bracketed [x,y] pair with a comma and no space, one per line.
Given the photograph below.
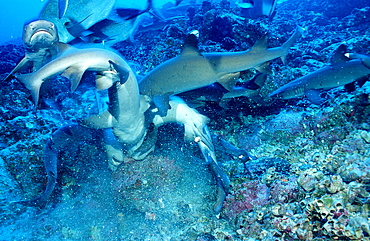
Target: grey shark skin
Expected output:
[41,42]
[72,64]
[125,113]
[196,130]
[343,71]
[259,8]
[77,15]
[191,70]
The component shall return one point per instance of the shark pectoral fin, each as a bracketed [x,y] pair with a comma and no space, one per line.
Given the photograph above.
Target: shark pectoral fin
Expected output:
[101,121]
[314,96]
[350,87]
[32,85]
[23,64]
[228,81]
[74,74]
[264,68]
[63,47]
[162,103]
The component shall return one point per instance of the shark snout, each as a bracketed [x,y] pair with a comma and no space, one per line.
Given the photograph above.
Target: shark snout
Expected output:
[277,94]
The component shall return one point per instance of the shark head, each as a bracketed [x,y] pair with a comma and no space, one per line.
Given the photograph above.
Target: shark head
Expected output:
[288,91]
[40,34]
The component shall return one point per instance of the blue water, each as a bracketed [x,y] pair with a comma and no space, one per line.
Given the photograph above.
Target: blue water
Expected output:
[13,15]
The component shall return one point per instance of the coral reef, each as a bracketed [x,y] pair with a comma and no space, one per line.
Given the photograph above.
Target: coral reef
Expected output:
[310,180]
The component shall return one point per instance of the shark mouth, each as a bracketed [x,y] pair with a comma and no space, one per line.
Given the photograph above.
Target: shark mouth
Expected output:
[41,31]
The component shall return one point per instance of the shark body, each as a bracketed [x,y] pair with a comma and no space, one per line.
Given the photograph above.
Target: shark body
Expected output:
[72,64]
[342,71]
[191,69]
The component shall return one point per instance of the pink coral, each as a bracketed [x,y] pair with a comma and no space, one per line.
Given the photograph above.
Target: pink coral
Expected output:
[285,191]
[245,197]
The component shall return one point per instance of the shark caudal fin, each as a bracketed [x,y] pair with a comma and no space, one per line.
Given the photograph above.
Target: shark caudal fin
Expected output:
[289,43]
[31,84]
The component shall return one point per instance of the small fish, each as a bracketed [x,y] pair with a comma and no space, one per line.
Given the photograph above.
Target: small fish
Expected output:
[244,5]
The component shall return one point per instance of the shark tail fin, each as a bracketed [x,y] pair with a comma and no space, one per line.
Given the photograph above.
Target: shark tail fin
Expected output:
[33,86]
[296,35]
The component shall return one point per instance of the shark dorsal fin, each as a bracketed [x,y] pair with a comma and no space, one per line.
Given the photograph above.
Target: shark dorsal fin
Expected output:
[191,45]
[260,45]
[339,55]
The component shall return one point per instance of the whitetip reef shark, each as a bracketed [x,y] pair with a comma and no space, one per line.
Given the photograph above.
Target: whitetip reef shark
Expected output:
[72,64]
[129,124]
[344,69]
[41,42]
[192,69]
[95,21]
[75,16]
